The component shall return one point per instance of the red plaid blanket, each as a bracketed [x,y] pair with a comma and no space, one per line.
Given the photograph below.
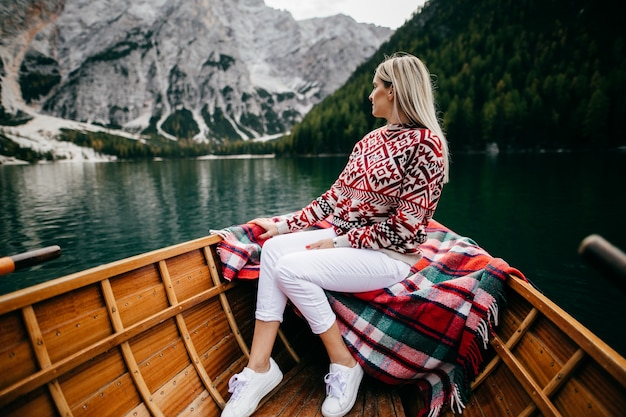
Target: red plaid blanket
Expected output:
[430,329]
[240,251]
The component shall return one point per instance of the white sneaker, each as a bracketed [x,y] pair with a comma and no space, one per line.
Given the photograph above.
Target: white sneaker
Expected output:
[248,388]
[342,386]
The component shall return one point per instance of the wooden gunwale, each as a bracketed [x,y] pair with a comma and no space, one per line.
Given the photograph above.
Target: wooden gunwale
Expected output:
[46,290]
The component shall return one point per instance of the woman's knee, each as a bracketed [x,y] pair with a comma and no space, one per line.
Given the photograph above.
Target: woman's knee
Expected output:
[291,276]
[284,272]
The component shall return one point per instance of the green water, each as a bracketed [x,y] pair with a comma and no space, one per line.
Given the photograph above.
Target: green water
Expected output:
[530,209]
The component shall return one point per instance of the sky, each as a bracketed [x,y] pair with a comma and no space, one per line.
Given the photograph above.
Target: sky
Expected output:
[389,13]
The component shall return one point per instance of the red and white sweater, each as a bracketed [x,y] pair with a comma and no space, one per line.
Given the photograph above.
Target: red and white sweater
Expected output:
[386,194]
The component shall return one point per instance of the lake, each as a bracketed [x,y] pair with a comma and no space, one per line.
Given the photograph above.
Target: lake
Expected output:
[532,209]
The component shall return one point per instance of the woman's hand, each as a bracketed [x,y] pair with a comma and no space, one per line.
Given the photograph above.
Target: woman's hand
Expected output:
[268,225]
[321,244]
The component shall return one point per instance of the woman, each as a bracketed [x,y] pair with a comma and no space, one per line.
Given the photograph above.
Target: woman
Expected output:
[380,204]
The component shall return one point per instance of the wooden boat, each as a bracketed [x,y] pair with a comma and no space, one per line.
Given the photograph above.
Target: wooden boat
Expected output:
[160,334]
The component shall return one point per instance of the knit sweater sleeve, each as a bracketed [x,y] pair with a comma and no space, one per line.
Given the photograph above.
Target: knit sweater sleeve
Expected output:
[403,230]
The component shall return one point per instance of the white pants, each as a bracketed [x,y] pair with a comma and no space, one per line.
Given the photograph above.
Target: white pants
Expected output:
[290,271]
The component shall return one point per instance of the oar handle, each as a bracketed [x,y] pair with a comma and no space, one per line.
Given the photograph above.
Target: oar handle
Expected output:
[606,257]
[12,263]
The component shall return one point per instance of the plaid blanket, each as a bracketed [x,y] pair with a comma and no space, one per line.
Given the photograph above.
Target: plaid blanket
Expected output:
[431,329]
[240,249]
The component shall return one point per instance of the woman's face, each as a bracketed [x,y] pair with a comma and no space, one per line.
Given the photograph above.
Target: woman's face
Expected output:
[382,99]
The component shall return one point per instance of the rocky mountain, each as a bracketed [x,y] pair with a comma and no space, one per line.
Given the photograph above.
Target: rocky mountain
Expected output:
[207,69]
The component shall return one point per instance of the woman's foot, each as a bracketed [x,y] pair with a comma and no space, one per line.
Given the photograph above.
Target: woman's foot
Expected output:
[248,388]
[342,387]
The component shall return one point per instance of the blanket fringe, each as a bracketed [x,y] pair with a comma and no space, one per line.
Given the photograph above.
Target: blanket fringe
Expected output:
[224,233]
[493,312]
[434,412]
[456,400]
[483,331]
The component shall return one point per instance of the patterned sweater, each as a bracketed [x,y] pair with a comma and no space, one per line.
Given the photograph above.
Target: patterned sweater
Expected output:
[386,194]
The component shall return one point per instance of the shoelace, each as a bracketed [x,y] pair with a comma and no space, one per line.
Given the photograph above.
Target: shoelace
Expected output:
[336,383]
[236,384]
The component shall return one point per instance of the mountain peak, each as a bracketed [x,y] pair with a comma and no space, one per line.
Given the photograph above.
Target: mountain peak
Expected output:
[222,69]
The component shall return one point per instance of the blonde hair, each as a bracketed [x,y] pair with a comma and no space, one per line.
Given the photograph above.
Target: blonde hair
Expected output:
[413,89]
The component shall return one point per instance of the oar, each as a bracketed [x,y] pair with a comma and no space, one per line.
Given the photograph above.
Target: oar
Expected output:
[607,257]
[12,263]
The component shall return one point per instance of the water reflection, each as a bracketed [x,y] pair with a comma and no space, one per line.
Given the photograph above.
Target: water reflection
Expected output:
[99,213]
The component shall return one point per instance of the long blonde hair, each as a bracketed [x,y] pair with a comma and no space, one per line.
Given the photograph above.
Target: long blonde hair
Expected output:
[413,89]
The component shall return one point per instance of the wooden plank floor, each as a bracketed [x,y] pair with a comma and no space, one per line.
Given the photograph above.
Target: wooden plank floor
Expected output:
[302,392]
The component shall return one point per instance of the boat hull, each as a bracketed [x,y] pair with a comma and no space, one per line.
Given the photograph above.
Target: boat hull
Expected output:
[161,334]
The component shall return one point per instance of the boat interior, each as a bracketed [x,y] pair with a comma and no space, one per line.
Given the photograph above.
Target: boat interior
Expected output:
[161,334]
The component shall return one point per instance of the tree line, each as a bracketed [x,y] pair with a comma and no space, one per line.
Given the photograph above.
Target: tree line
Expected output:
[524,74]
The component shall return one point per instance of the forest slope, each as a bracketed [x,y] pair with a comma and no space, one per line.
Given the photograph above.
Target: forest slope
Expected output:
[525,74]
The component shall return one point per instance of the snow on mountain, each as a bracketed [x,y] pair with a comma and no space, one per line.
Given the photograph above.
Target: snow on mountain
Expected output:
[211,70]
